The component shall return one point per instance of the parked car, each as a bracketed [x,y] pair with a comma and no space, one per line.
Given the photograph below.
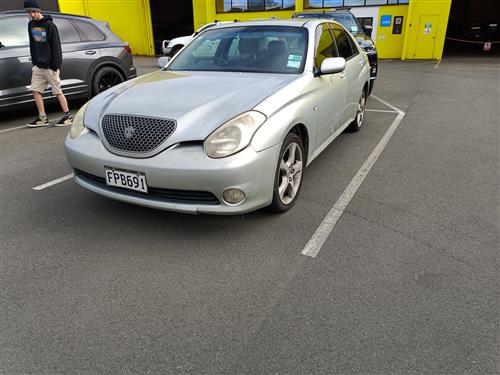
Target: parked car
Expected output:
[94,58]
[351,23]
[171,47]
[230,123]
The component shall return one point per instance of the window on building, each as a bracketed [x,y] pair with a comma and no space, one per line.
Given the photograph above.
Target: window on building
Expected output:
[332,3]
[90,31]
[365,21]
[14,32]
[354,3]
[227,6]
[67,32]
[311,4]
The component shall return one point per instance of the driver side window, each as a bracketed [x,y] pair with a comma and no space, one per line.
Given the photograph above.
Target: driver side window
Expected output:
[325,45]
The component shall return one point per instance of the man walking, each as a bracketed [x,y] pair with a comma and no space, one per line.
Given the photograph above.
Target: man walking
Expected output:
[46,56]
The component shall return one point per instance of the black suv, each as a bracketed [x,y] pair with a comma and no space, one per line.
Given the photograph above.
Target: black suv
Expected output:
[350,22]
[94,59]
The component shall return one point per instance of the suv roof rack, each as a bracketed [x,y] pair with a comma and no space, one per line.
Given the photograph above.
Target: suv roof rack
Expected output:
[48,12]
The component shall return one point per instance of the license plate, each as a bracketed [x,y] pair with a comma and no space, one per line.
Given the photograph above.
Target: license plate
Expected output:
[128,180]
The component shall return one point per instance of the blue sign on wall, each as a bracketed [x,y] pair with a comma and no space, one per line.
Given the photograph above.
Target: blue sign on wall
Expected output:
[385,20]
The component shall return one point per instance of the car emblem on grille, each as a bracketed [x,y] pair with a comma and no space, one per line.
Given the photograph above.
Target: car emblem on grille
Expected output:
[129,132]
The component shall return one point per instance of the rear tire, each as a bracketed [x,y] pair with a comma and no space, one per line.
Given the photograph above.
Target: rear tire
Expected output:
[289,172]
[360,114]
[372,83]
[105,78]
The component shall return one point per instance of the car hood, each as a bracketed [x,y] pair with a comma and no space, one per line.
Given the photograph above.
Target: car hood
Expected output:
[199,102]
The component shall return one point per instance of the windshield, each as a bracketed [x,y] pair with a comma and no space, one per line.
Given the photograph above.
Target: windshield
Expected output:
[346,19]
[262,49]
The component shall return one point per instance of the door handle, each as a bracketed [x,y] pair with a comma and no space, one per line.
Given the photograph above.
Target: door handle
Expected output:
[90,52]
[342,75]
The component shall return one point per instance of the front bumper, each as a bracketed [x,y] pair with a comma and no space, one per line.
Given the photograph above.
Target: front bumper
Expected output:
[182,169]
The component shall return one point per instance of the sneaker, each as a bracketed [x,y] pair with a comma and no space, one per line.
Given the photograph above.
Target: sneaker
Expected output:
[39,123]
[66,120]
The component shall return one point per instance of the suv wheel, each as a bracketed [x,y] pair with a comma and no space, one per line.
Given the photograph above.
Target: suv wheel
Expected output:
[105,78]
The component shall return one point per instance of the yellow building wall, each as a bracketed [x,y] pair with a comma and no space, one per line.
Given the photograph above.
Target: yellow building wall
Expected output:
[389,45]
[417,11]
[129,19]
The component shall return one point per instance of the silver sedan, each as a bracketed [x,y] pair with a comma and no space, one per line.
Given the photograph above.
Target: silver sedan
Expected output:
[229,124]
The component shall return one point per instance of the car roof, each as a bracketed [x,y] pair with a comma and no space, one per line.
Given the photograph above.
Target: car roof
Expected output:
[294,22]
[48,13]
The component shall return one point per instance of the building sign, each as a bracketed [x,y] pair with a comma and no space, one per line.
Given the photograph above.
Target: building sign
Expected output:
[428,28]
[385,20]
[487,46]
[397,28]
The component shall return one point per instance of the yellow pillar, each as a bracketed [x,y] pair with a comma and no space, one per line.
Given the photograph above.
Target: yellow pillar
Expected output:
[130,20]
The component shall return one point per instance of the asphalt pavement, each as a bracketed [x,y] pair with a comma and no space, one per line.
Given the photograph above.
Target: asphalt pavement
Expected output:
[406,283]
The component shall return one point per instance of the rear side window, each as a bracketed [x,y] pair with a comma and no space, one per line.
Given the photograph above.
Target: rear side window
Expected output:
[343,43]
[67,32]
[92,33]
[14,32]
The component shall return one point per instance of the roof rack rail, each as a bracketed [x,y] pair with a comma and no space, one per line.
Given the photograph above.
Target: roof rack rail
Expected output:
[48,12]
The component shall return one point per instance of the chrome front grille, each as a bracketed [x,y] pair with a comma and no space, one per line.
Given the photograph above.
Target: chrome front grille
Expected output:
[136,134]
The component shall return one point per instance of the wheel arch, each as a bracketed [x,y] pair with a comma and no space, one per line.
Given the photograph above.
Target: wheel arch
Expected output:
[301,130]
[102,63]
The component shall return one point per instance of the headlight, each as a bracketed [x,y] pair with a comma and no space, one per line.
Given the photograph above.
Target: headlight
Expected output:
[77,127]
[234,135]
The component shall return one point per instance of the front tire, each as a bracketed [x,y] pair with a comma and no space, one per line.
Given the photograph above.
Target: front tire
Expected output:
[175,50]
[289,171]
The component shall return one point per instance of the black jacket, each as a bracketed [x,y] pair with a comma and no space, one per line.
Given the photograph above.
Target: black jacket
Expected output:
[45,46]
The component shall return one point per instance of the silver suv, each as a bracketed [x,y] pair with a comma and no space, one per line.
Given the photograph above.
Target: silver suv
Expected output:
[94,58]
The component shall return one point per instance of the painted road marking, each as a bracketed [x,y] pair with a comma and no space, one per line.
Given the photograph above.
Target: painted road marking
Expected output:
[322,233]
[53,182]
[10,129]
[380,110]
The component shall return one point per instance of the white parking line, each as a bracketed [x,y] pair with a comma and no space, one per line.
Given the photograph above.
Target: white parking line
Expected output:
[53,182]
[380,110]
[10,129]
[319,237]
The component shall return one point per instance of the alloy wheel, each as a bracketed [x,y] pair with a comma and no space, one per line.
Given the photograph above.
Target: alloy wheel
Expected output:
[291,166]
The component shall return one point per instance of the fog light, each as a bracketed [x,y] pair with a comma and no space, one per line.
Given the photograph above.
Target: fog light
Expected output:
[233,196]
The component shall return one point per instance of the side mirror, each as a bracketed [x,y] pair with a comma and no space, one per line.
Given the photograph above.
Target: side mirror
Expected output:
[332,65]
[162,61]
[1,45]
